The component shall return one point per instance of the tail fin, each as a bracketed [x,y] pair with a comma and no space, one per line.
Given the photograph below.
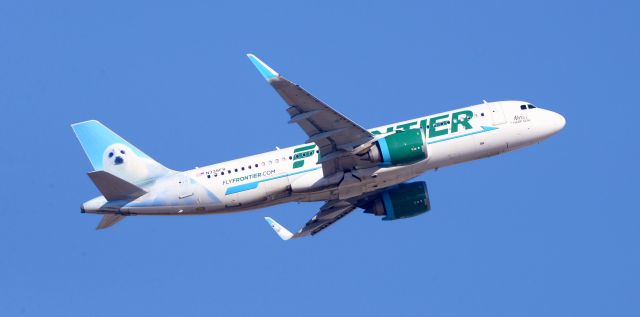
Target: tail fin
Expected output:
[108,152]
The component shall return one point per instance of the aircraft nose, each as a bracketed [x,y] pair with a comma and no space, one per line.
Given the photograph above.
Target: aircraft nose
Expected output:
[550,124]
[556,121]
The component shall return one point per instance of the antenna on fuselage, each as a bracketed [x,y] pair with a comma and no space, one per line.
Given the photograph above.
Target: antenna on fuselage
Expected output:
[484,101]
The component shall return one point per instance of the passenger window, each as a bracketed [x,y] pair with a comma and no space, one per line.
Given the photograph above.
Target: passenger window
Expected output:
[221,173]
[277,161]
[256,165]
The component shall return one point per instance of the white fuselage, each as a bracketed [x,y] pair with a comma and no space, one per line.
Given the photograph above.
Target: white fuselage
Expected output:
[292,174]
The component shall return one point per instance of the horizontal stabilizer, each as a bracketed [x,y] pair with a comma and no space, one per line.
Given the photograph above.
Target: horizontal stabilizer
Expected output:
[114,188]
[282,232]
[109,220]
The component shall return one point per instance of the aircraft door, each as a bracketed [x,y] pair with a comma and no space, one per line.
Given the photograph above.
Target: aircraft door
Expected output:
[497,115]
[185,188]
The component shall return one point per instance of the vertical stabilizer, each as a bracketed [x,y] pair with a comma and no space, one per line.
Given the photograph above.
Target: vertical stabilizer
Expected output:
[109,152]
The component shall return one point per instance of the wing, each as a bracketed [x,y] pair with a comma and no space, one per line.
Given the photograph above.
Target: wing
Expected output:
[335,135]
[329,213]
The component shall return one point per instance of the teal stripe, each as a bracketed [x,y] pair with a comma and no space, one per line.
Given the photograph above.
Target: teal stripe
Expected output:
[484,129]
[265,72]
[386,200]
[386,156]
[254,185]
[241,188]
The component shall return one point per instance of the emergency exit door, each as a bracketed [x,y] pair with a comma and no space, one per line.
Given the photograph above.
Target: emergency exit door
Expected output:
[497,115]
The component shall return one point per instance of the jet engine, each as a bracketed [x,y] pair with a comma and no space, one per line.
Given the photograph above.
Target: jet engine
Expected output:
[403,147]
[401,201]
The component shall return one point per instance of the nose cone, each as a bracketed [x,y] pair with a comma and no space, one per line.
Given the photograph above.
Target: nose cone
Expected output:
[556,122]
[550,124]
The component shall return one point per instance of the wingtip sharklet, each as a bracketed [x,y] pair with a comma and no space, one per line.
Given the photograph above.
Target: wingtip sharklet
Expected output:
[267,72]
[282,232]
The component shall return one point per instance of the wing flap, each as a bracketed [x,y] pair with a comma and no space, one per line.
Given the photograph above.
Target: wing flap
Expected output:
[329,213]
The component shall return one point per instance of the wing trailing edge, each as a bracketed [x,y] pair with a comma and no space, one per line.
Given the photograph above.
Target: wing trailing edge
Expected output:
[329,213]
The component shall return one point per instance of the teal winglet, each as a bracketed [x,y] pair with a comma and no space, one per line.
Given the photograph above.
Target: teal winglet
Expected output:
[264,69]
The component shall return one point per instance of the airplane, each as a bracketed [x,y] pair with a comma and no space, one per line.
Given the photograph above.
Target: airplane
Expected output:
[341,163]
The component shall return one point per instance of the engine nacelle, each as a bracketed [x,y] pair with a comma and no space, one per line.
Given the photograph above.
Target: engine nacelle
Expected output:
[403,147]
[401,201]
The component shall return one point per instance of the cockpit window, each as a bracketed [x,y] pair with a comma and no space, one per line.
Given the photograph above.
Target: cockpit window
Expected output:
[523,107]
[531,106]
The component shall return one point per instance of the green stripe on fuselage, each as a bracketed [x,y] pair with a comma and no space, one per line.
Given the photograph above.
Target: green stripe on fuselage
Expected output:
[304,148]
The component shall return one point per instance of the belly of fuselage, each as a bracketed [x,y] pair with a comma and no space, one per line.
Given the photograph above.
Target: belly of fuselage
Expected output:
[258,198]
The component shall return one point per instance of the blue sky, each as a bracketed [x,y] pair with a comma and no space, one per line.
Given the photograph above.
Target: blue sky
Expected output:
[548,230]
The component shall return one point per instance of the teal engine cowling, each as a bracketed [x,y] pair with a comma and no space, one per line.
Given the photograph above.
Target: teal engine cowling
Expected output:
[401,201]
[403,147]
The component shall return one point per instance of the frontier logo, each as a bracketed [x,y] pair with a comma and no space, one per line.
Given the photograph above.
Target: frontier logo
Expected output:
[301,153]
